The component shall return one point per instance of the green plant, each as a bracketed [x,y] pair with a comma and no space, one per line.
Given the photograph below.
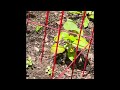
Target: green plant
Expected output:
[70,40]
[48,70]
[90,15]
[86,22]
[38,27]
[75,12]
[29,62]
[61,49]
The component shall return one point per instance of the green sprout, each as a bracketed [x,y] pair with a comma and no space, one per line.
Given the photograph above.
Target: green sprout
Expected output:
[29,62]
[75,12]
[38,28]
[86,22]
[90,15]
[48,70]
[60,49]
[70,25]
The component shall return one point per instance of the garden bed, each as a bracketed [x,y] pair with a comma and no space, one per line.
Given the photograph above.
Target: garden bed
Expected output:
[34,47]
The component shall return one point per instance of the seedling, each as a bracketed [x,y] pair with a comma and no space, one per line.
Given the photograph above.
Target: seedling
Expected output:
[38,28]
[75,12]
[90,15]
[61,49]
[48,70]
[70,40]
[86,22]
[29,62]
[70,25]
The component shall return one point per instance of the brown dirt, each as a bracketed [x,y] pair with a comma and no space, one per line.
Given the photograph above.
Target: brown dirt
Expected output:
[34,48]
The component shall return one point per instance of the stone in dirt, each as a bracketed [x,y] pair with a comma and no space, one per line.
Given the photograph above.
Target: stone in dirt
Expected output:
[45,49]
[90,55]
[88,76]
[36,49]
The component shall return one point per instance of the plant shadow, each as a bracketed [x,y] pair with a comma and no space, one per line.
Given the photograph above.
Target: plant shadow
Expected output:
[62,59]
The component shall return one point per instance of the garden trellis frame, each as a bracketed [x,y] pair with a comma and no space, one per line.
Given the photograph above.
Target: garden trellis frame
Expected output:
[59,30]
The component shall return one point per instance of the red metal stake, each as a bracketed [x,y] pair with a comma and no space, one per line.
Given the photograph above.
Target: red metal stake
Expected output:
[57,44]
[41,55]
[88,52]
[78,42]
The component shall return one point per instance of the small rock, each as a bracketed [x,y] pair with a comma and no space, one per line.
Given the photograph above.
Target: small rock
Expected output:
[33,77]
[58,22]
[45,49]
[63,77]
[88,68]
[36,49]
[69,72]
[85,72]
[55,12]
[92,65]
[46,39]
[88,76]
[74,77]
[78,70]
[90,55]
[78,76]
[38,67]
[47,43]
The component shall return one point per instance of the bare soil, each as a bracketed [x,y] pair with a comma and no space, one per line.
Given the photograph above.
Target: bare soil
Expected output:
[34,47]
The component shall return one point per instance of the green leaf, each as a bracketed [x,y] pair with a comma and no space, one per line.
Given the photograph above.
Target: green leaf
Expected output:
[65,45]
[89,12]
[72,38]
[29,58]
[50,72]
[71,55]
[76,37]
[48,67]
[91,16]
[26,66]
[69,20]
[93,12]
[78,30]
[86,22]
[82,43]
[38,28]
[75,12]
[69,25]
[29,61]
[63,35]
[60,49]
